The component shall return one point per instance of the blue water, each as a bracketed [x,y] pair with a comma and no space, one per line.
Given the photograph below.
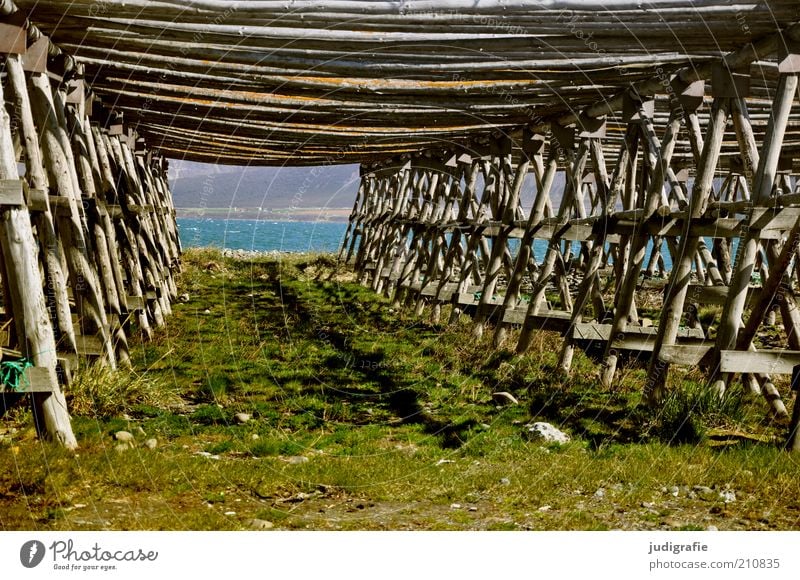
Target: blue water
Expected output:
[262,235]
[319,236]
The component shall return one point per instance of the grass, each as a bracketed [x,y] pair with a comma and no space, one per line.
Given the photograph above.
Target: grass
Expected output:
[364,418]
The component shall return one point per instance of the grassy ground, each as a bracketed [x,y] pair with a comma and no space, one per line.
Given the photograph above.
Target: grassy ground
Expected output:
[364,418]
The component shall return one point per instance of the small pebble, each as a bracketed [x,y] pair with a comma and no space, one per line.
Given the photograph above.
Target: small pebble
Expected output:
[600,493]
[258,524]
[242,418]
[727,496]
[254,436]
[505,481]
[297,459]
[455,506]
[230,513]
[712,529]
[123,436]
[545,508]
[151,443]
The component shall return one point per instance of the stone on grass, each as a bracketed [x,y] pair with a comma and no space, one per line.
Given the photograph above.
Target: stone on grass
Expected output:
[504,398]
[546,432]
[123,436]
[151,443]
[242,417]
[727,496]
[184,297]
[258,524]
[297,459]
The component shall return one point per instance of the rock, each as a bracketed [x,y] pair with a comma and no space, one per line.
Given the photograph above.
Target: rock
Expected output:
[673,522]
[547,432]
[123,436]
[712,529]
[646,322]
[230,513]
[485,426]
[151,443]
[297,459]
[727,496]
[472,508]
[206,311]
[206,454]
[213,267]
[184,297]
[122,447]
[242,418]
[140,431]
[258,524]
[254,436]
[545,508]
[505,481]
[600,493]
[648,505]
[455,506]
[504,398]
[444,461]
[674,491]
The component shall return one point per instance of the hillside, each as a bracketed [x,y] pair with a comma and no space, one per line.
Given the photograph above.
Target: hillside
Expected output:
[198,185]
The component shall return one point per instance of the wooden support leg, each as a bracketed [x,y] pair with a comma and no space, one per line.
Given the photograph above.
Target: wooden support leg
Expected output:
[27,298]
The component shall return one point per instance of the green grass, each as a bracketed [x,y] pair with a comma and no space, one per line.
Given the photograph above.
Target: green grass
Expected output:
[363,418]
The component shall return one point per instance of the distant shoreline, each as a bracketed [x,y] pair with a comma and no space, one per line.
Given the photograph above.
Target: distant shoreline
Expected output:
[316,214]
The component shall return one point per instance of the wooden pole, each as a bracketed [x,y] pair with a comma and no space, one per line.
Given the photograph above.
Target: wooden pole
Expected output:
[27,299]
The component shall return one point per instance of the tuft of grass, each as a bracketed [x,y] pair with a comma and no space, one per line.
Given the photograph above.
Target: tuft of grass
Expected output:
[98,391]
[688,412]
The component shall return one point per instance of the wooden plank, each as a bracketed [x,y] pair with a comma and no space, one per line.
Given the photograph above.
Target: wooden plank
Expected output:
[89,345]
[776,362]
[34,380]
[13,38]
[35,58]
[595,331]
[11,192]
[686,355]
[134,303]
[554,320]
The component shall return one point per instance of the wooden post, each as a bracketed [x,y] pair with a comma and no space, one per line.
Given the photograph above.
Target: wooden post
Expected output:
[679,280]
[27,298]
[43,219]
[58,158]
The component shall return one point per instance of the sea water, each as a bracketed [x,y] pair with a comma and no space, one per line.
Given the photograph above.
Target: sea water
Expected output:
[298,236]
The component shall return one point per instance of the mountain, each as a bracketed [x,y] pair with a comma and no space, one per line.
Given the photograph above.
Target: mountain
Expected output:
[199,185]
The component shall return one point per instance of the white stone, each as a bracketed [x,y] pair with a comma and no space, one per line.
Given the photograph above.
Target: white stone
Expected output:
[258,524]
[546,431]
[151,443]
[242,417]
[123,436]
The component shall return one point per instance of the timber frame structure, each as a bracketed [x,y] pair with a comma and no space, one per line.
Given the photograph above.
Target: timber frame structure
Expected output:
[637,132]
